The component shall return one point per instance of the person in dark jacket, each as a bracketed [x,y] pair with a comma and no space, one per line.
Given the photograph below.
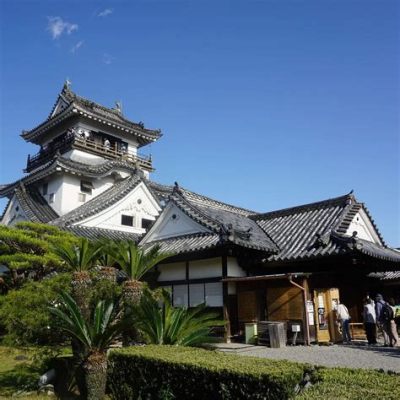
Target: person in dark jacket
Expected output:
[380,321]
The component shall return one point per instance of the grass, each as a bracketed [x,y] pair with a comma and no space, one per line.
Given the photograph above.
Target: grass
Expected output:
[20,369]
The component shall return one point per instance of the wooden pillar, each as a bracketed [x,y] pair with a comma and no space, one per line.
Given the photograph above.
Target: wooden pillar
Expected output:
[225,300]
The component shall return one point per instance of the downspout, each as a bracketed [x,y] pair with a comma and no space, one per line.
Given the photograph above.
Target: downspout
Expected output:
[305,319]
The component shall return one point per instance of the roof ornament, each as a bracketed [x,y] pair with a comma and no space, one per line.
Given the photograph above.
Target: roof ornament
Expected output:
[118,106]
[67,84]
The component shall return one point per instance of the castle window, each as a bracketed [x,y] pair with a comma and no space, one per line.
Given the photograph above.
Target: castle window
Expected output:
[146,223]
[86,187]
[45,188]
[126,220]
[81,197]
[51,198]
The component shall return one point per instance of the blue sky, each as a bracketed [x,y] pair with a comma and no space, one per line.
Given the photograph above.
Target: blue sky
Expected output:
[265,104]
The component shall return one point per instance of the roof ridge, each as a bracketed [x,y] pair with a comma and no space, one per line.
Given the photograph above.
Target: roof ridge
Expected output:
[73,216]
[180,197]
[308,206]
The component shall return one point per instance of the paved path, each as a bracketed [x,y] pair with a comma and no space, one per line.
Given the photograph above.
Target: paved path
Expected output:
[353,356]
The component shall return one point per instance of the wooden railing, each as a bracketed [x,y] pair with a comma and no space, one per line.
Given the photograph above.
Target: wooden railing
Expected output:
[68,141]
[112,152]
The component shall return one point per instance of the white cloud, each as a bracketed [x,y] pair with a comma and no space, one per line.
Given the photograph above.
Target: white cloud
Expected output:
[57,27]
[76,46]
[105,12]
[108,59]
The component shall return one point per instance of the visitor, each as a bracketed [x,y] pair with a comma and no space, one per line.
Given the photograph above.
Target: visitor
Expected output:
[369,316]
[107,144]
[380,319]
[392,327]
[343,317]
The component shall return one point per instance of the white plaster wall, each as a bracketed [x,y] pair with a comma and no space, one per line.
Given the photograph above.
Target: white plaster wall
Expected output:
[83,157]
[55,186]
[172,272]
[13,213]
[208,268]
[234,270]
[170,226]
[139,203]
[365,230]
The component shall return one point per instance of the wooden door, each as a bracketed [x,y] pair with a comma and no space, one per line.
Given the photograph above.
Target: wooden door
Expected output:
[325,303]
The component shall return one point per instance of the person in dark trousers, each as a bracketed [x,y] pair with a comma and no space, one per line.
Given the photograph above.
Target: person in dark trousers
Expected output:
[343,317]
[369,316]
[379,304]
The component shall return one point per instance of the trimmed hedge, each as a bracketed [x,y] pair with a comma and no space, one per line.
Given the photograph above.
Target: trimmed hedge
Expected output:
[171,372]
[352,384]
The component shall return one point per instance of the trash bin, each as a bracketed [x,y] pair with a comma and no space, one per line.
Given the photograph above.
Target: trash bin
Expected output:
[250,332]
[277,334]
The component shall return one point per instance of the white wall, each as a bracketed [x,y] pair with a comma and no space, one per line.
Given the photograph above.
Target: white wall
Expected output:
[139,203]
[173,222]
[365,230]
[172,272]
[234,270]
[13,213]
[207,268]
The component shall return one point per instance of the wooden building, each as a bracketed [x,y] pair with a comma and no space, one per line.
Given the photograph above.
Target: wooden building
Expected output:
[289,265]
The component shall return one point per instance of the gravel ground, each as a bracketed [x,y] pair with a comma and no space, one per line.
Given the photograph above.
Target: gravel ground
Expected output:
[352,356]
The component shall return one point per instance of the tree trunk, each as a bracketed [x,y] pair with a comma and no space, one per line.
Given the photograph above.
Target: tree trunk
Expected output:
[81,292]
[132,291]
[108,273]
[95,370]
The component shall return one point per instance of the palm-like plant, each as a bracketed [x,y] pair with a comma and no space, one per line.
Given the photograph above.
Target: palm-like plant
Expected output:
[105,259]
[135,262]
[80,258]
[172,325]
[95,336]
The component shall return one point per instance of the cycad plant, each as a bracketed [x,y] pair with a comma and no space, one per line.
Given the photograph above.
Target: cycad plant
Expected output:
[105,259]
[80,258]
[95,337]
[135,262]
[165,324]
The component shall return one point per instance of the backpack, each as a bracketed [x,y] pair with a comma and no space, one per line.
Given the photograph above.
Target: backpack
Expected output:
[387,312]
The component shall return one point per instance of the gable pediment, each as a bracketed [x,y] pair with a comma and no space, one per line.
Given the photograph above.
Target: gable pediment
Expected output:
[362,224]
[13,213]
[60,106]
[171,223]
[138,204]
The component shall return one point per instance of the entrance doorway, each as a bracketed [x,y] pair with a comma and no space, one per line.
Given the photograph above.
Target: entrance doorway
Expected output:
[325,304]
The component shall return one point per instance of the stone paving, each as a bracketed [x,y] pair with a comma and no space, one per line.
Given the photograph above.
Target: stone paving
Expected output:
[357,355]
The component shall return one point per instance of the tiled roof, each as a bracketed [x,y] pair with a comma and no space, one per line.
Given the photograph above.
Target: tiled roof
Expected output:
[34,205]
[78,105]
[188,243]
[164,191]
[104,200]
[367,248]
[385,276]
[67,165]
[93,233]
[227,223]
[304,231]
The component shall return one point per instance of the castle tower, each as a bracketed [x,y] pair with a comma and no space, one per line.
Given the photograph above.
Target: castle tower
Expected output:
[87,161]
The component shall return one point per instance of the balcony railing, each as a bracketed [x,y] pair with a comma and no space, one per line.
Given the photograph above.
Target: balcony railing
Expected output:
[70,141]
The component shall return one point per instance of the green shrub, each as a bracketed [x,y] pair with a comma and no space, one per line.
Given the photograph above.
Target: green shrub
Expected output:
[189,373]
[24,313]
[353,384]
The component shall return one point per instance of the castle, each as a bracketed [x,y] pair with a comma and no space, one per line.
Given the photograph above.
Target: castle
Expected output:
[89,178]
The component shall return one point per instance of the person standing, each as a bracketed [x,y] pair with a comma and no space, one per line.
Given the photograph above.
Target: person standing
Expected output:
[369,316]
[381,319]
[392,327]
[343,316]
